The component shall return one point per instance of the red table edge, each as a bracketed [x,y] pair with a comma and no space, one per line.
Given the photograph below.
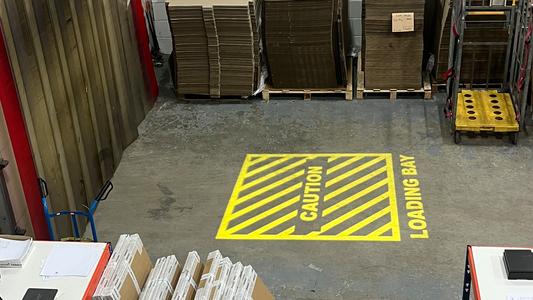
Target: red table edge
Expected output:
[102,263]
[473,283]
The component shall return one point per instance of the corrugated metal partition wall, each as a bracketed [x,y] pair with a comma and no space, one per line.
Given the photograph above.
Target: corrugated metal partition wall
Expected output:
[80,83]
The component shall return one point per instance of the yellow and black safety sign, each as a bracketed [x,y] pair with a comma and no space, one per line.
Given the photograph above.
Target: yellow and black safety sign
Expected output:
[313,197]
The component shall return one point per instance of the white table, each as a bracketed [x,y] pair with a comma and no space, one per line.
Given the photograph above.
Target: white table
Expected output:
[15,281]
[486,277]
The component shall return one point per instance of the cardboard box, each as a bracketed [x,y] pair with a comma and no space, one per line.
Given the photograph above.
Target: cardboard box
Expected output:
[17,263]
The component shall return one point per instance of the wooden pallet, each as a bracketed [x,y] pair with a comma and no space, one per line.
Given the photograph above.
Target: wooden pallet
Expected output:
[347,91]
[207,98]
[393,93]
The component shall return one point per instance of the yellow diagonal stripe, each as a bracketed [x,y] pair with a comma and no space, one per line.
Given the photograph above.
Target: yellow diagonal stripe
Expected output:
[354,171]
[269,187]
[258,160]
[354,183]
[265,201]
[263,215]
[287,232]
[267,166]
[365,222]
[273,174]
[378,232]
[354,212]
[275,223]
[344,164]
[333,158]
[352,198]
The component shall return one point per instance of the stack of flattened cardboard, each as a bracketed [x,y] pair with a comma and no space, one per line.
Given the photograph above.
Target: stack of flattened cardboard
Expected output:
[478,32]
[216,46]
[393,60]
[301,43]
[126,272]
[162,280]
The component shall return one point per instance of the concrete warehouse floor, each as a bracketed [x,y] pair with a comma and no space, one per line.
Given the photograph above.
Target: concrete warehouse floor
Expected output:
[175,182]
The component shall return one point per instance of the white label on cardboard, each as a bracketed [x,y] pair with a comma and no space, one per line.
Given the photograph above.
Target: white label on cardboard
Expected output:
[403,22]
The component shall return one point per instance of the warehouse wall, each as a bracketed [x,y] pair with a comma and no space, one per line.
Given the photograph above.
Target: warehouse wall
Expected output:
[79,78]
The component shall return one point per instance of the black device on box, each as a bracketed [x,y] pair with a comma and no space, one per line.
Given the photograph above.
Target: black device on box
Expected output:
[40,294]
[518,264]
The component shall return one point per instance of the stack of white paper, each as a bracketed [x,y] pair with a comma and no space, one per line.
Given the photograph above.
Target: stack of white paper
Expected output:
[14,252]
[70,259]
[162,280]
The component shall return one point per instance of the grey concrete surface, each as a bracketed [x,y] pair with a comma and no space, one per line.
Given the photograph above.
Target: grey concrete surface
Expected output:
[175,181]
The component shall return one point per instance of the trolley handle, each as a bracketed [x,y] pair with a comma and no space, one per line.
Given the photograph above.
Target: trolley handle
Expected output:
[43,187]
[485,13]
[108,187]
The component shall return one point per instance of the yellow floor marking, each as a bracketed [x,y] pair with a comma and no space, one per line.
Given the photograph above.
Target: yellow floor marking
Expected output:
[355,212]
[263,215]
[273,174]
[381,230]
[287,232]
[275,223]
[260,201]
[334,158]
[267,166]
[365,222]
[270,187]
[354,171]
[258,160]
[352,198]
[354,183]
[265,201]
[344,164]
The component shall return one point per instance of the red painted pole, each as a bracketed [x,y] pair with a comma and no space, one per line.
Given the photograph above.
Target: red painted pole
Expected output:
[144,49]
